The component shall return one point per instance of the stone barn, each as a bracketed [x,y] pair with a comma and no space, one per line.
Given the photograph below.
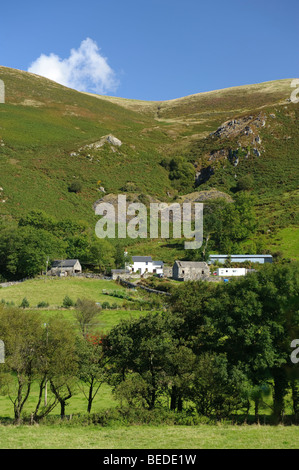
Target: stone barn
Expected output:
[190,271]
[65,267]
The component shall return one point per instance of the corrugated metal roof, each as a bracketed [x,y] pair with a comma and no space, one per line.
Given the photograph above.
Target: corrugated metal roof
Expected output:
[241,256]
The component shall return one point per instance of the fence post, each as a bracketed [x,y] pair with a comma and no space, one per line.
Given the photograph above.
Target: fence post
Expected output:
[2,92]
[2,352]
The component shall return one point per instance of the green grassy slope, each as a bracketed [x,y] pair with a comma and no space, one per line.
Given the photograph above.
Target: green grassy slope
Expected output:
[43,126]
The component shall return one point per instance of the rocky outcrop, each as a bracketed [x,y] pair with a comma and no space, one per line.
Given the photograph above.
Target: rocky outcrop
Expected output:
[113,141]
[243,133]
[106,139]
[241,126]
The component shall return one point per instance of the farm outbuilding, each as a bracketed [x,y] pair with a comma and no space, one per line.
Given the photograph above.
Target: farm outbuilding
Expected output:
[262,259]
[65,267]
[190,270]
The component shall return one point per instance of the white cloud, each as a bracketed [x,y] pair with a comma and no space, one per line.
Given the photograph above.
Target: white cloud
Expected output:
[84,70]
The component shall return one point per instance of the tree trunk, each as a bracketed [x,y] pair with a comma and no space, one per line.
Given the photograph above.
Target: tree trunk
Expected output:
[256,409]
[90,397]
[180,403]
[173,399]
[176,402]
[62,399]
[295,397]
[41,389]
[280,386]
[20,400]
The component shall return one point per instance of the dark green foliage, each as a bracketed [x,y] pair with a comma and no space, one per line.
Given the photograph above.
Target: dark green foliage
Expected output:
[217,346]
[43,305]
[245,183]
[67,302]
[181,173]
[228,225]
[218,389]
[75,187]
[24,252]
[24,303]
[92,366]
[28,248]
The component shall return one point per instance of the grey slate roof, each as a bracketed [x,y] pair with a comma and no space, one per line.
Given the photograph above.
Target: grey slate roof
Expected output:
[138,259]
[191,264]
[64,263]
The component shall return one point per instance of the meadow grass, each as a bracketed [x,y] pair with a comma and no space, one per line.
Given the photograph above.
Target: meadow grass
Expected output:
[54,290]
[220,436]
[286,240]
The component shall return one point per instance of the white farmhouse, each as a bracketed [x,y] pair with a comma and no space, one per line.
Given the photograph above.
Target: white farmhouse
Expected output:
[228,272]
[145,264]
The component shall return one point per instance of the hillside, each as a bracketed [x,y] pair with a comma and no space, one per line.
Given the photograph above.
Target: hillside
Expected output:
[51,136]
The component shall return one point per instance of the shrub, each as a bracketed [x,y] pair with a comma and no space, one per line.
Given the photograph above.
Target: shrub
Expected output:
[42,304]
[245,183]
[105,305]
[24,303]
[75,187]
[67,302]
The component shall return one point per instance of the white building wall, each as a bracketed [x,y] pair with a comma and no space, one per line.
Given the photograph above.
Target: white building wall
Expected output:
[142,266]
[149,267]
[231,272]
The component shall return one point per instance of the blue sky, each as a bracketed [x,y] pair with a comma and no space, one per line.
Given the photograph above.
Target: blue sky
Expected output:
[155,49]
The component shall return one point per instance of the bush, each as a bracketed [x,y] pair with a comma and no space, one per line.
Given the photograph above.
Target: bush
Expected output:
[129,416]
[24,303]
[42,305]
[67,302]
[75,187]
[105,305]
[245,183]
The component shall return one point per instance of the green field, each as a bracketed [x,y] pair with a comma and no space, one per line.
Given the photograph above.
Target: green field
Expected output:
[53,290]
[149,437]
[287,240]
